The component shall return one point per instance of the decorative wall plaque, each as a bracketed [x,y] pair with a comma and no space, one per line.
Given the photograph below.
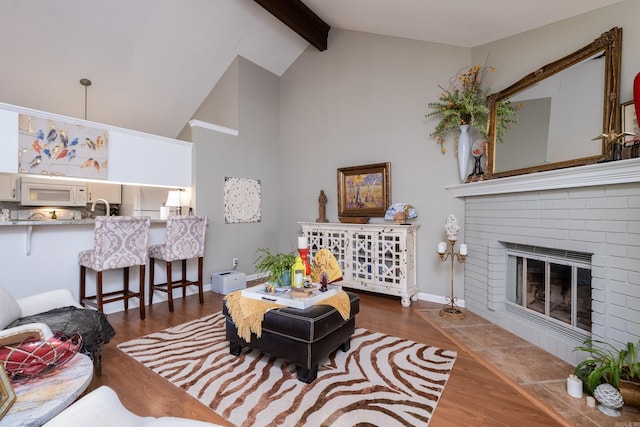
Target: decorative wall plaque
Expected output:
[242,200]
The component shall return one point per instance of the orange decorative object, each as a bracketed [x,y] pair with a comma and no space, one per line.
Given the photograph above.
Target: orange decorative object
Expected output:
[304,254]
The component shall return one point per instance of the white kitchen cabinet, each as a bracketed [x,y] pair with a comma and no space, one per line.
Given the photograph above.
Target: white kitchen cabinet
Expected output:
[376,258]
[9,189]
[112,193]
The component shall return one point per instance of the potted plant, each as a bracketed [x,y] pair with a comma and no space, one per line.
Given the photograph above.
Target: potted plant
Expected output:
[607,364]
[464,102]
[278,265]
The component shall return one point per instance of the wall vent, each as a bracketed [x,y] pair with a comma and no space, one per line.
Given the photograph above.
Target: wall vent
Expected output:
[558,253]
[546,323]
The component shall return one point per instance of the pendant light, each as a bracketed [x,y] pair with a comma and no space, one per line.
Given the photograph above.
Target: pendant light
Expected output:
[86,83]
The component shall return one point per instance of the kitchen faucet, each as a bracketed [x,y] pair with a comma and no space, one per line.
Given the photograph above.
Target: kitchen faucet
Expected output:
[33,216]
[107,212]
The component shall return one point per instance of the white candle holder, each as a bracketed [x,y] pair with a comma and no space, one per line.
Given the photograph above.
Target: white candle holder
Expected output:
[451,309]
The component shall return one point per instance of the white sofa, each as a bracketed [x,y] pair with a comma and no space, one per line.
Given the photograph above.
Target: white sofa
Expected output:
[102,408]
[12,309]
[42,308]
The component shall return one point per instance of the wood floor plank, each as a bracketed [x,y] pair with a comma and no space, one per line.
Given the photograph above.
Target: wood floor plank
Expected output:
[473,395]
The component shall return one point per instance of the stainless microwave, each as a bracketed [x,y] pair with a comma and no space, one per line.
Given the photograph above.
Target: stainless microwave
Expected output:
[49,192]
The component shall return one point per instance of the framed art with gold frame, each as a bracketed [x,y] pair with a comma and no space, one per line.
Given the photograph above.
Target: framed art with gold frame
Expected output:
[7,395]
[364,191]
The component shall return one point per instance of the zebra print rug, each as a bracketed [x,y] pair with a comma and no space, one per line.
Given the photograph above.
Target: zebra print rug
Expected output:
[383,380]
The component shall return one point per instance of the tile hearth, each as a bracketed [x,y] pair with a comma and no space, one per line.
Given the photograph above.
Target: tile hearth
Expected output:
[537,374]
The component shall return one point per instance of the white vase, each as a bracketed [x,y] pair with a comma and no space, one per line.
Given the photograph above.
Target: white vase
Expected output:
[464,152]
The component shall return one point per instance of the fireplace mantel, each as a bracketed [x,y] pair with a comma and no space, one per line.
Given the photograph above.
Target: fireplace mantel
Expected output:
[618,172]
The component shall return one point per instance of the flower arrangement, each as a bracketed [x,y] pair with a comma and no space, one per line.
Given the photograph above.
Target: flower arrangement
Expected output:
[464,102]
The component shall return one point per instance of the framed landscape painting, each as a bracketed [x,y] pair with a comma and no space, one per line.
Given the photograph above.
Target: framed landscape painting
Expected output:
[364,191]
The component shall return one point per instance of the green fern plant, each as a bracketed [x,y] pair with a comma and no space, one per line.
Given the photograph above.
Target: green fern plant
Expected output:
[276,264]
[465,102]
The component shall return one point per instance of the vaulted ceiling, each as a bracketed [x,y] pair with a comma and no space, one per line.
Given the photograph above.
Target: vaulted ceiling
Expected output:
[152,62]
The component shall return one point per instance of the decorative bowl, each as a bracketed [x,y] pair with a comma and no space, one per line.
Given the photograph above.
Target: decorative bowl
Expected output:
[33,356]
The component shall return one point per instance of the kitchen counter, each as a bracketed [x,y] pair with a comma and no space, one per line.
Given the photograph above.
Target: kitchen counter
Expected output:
[47,222]
[42,255]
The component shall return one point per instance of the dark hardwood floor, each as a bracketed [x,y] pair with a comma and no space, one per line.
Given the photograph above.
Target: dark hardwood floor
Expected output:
[473,396]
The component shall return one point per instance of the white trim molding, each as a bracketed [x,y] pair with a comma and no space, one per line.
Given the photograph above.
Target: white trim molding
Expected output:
[213,127]
[618,172]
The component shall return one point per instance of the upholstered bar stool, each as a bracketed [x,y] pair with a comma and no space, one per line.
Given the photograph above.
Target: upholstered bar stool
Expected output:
[119,242]
[185,240]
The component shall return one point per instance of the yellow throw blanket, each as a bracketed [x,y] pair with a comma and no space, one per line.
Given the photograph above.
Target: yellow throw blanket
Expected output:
[248,313]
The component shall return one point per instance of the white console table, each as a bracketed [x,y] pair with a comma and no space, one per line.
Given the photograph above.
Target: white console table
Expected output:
[373,257]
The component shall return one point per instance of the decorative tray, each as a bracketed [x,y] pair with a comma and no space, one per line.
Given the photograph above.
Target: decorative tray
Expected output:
[284,295]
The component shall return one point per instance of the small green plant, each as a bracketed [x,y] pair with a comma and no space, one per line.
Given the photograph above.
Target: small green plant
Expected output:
[276,264]
[608,364]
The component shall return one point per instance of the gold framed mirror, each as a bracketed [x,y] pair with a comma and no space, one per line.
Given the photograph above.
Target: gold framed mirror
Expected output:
[559,112]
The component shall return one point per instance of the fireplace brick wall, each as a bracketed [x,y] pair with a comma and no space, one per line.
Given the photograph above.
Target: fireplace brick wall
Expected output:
[600,220]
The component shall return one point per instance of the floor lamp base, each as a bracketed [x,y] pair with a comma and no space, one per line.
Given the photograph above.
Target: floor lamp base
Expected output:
[452,312]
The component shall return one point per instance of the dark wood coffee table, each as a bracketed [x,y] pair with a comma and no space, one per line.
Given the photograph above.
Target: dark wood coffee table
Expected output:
[304,337]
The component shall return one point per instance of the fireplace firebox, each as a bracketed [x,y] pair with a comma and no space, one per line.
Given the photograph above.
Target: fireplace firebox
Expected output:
[552,284]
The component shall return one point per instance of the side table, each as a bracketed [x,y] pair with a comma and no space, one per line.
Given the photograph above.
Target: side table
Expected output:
[40,399]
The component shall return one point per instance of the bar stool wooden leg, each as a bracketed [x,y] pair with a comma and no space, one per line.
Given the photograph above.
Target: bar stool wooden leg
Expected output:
[200,291]
[183,281]
[151,279]
[99,290]
[83,283]
[141,292]
[125,279]
[169,286]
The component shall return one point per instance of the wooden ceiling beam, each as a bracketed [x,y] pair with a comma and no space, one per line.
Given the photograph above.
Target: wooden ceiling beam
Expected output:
[297,16]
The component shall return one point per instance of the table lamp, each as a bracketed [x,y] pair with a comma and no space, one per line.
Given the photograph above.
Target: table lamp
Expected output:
[176,199]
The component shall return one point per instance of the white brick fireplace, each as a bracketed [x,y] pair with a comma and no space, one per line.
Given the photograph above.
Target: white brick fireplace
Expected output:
[590,209]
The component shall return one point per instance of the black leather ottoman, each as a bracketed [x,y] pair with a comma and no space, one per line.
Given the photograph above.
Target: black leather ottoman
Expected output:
[303,337]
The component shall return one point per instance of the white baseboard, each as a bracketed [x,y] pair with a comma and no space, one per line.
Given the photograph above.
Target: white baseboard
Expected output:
[162,297]
[438,299]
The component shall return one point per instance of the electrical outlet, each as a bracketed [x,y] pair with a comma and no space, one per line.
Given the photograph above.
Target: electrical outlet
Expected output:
[235,262]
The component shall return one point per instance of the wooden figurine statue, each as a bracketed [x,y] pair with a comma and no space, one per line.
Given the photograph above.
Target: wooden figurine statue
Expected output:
[322,207]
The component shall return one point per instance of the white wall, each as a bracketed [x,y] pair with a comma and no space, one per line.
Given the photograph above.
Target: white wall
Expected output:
[514,57]
[251,154]
[363,101]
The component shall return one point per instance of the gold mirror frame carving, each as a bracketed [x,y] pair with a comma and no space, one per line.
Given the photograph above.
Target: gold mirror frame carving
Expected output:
[610,43]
